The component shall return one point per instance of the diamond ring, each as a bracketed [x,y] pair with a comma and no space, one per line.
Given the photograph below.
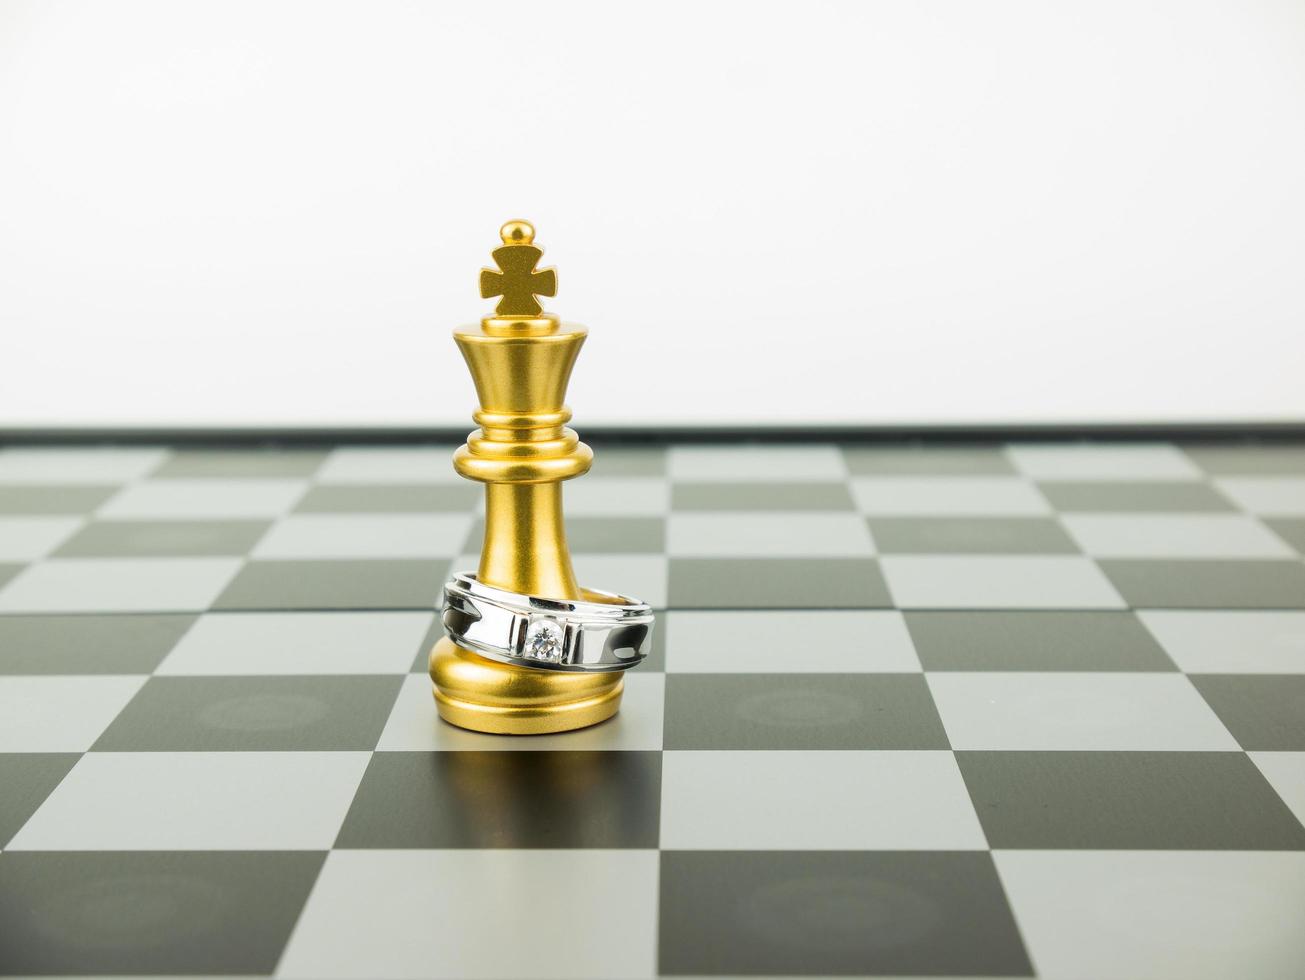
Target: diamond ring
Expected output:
[602,632]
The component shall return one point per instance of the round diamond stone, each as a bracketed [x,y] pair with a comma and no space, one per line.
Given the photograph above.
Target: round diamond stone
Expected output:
[544,641]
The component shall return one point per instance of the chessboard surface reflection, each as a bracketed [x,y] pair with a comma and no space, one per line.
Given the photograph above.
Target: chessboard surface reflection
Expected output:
[966,710]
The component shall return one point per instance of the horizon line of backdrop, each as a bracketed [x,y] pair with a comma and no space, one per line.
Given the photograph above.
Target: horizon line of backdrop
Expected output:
[907,212]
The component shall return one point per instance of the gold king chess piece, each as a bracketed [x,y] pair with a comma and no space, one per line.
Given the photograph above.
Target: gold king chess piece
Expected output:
[527,650]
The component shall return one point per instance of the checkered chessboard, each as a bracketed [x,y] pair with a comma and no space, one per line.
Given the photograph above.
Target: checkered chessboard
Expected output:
[958,711]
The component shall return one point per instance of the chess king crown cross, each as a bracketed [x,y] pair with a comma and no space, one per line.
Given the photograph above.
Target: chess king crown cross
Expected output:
[516,279]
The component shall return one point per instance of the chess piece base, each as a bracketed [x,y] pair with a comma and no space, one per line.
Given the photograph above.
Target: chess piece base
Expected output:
[484,696]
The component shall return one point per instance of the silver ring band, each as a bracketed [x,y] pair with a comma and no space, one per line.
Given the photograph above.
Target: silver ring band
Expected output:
[608,632]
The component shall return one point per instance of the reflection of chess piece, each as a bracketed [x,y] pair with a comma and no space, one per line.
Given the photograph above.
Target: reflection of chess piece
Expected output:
[521,361]
[556,798]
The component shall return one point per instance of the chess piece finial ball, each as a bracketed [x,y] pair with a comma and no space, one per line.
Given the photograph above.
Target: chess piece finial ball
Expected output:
[517,233]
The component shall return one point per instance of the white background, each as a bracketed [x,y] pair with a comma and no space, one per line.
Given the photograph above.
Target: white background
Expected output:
[253,213]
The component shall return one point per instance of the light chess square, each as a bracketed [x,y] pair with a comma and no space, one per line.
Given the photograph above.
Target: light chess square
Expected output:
[84,585]
[24,539]
[204,499]
[422,914]
[180,801]
[1181,914]
[874,801]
